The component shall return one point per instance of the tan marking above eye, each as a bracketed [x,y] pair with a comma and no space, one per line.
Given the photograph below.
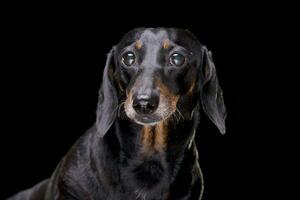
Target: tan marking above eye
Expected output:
[166,44]
[138,44]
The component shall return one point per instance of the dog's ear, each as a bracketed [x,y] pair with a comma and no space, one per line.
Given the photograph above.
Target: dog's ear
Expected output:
[211,94]
[108,100]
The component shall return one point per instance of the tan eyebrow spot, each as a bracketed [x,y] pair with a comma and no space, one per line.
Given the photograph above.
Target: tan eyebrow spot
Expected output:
[138,44]
[166,44]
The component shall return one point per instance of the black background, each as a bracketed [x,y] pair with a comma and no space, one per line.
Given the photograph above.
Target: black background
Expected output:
[54,58]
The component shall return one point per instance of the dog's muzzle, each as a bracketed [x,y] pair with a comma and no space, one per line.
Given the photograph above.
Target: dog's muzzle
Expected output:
[148,106]
[145,103]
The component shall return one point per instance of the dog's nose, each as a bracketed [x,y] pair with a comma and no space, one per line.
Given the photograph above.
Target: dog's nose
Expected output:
[145,103]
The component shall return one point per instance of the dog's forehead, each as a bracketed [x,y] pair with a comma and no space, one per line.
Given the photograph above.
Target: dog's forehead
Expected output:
[147,35]
[159,37]
[153,36]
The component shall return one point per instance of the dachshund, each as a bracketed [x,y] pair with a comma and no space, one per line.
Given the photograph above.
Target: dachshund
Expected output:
[155,83]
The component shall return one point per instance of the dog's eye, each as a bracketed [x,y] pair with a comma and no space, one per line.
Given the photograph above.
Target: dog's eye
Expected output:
[128,58]
[177,59]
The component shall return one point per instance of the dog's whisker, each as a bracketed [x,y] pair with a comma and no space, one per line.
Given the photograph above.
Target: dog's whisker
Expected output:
[180,114]
[174,115]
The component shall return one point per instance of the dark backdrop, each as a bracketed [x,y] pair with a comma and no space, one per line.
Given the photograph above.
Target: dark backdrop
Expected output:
[54,60]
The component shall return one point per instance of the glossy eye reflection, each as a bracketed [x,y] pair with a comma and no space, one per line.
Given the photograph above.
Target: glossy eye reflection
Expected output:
[128,58]
[177,59]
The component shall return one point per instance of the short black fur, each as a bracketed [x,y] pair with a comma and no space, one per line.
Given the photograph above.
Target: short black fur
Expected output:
[113,160]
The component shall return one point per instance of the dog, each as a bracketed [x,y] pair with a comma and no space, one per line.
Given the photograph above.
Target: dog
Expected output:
[155,83]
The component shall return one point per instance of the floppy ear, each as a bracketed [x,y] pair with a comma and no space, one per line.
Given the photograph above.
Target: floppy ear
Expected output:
[108,100]
[211,94]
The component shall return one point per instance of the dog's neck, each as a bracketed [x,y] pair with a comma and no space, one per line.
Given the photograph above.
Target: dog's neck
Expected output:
[151,156]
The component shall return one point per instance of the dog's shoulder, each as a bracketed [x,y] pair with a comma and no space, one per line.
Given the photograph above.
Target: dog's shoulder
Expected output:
[74,175]
[37,192]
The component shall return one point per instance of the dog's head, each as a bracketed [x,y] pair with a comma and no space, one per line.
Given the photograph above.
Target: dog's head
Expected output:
[156,73]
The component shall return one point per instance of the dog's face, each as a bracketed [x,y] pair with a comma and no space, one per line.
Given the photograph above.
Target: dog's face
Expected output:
[157,68]
[156,74]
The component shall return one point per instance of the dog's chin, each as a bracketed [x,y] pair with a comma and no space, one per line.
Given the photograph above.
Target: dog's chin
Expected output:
[146,120]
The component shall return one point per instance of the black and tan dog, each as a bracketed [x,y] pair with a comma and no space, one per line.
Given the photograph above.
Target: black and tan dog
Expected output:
[142,145]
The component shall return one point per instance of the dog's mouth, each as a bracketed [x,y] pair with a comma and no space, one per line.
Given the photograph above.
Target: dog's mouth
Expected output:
[163,112]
